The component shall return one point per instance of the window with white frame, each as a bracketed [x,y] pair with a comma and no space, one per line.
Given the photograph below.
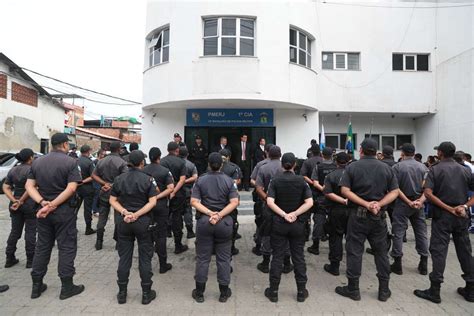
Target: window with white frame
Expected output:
[395,141]
[340,61]
[300,48]
[410,62]
[338,141]
[229,36]
[159,46]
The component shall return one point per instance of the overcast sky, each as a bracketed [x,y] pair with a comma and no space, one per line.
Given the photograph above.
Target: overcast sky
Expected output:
[97,44]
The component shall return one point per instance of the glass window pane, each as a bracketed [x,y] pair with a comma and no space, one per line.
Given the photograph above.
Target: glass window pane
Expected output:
[292,37]
[228,46]
[388,141]
[308,61]
[332,141]
[327,62]
[397,62]
[228,27]
[293,52]
[246,28]
[150,62]
[353,61]
[402,139]
[166,53]
[422,62]
[166,37]
[409,62]
[210,27]
[375,137]
[156,56]
[302,40]
[340,61]
[210,46]
[302,57]
[308,45]
[246,47]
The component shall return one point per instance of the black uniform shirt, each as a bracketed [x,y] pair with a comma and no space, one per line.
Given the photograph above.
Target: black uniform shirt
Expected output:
[450,182]
[133,189]
[331,185]
[176,165]
[369,178]
[232,170]
[110,167]
[389,161]
[87,167]
[308,166]
[410,175]
[214,190]
[198,153]
[257,167]
[53,172]
[289,191]
[315,175]
[16,179]
[267,172]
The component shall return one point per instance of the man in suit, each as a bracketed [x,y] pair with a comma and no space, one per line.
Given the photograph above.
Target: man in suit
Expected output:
[242,158]
[259,151]
[222,145]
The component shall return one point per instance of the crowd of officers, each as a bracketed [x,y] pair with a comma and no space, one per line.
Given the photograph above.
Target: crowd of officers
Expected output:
[345,197]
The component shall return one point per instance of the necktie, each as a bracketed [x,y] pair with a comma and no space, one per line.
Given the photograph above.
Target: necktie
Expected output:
[243,151]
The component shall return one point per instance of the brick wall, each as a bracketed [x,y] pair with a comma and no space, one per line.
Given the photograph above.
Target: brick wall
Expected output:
[105,131]
[3,86]
[24,94]
[123,124]
[93,142]
[130,138]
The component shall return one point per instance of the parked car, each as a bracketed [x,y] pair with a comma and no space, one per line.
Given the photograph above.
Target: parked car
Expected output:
[8,161]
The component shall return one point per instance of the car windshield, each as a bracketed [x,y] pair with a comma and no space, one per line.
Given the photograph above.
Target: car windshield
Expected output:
[5,157]
[9,162]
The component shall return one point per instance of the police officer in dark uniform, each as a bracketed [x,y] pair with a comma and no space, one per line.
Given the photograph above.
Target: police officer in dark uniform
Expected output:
[133,196]
[198,155]
[446,187]
[177,167]
[178,140]
[214,197]
[289,197]
[409,206]
[105,173]
[338,213]
[369,185]
[52,183]
[307,171]
[22,209]
[233,171]
[133,146]
[318,175]
[191,177]
[160,213]
[85,189]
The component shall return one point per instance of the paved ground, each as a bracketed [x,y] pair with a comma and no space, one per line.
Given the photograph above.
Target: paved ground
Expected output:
[97,271]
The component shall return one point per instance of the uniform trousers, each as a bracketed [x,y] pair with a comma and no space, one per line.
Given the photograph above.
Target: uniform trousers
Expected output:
[86,194]
[25,217]
[338,217]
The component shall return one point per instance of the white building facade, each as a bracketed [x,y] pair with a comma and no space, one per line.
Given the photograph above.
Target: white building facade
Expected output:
[282,69]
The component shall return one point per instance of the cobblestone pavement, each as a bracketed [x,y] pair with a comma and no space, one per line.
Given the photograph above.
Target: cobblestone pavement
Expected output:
[97,271]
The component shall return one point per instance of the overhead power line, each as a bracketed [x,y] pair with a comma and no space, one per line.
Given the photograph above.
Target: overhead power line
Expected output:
[368,5]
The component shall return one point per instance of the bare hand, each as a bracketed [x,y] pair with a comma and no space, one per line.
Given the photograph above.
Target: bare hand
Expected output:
[106,187]
[290,217]
[374,207]
[460,211]
[214,218]
[47,208]
[15,205]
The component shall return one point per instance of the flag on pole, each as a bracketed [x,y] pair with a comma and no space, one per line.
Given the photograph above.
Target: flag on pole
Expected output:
[322,140]
[349,141]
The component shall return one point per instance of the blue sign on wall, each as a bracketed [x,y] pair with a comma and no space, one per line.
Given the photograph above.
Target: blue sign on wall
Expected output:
[229,117]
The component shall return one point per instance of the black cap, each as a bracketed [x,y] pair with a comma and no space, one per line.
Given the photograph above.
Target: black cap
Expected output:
[133,146]
[327,151]
[408,148]
[274,152]
[268,146]
[288,159]
[154,153]
[172,146]
[59,138]
[114,146]
[85,148]
[197,137]
[183,151]
[225,153]
[313,142]
[24,155]
[369,145]
[447,148]
[387,151]
[136,157]
[215,158]
[342,158]
[177,135]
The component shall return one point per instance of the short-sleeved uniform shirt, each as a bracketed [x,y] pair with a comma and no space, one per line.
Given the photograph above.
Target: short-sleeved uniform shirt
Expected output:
[191,170]
[308,166]
[289,191]
[133,189]
[177,167]
[450,182]
[389,162]
[267,172]
[369,178]
[232,170]
[16,179]
[163,178]
[214,190]
[110,167]
[410,175]
[87,167]
[257,167]
[53,172]
[331,185]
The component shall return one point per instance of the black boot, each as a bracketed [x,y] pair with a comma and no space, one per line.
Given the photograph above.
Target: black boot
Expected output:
[168,232]
[38,287]
[69,289]
[198,292]
[423,265]
[467,292]
[11,261]
[4,288]
[148,294]
[122,294]
[351,290]
[314,248]
[89,230]
[256,250]
[234,251]
[164,265]
[178,246]
[384,291]
[225,293]
[264,265]
[431,294]
[302,293]
[370,251]
[332,268]
[396,266]
[100,238]
[191,233]
[29,262]
[287,266]
[272,292]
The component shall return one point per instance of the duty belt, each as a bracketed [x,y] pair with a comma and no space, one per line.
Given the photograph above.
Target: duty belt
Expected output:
[362,212]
